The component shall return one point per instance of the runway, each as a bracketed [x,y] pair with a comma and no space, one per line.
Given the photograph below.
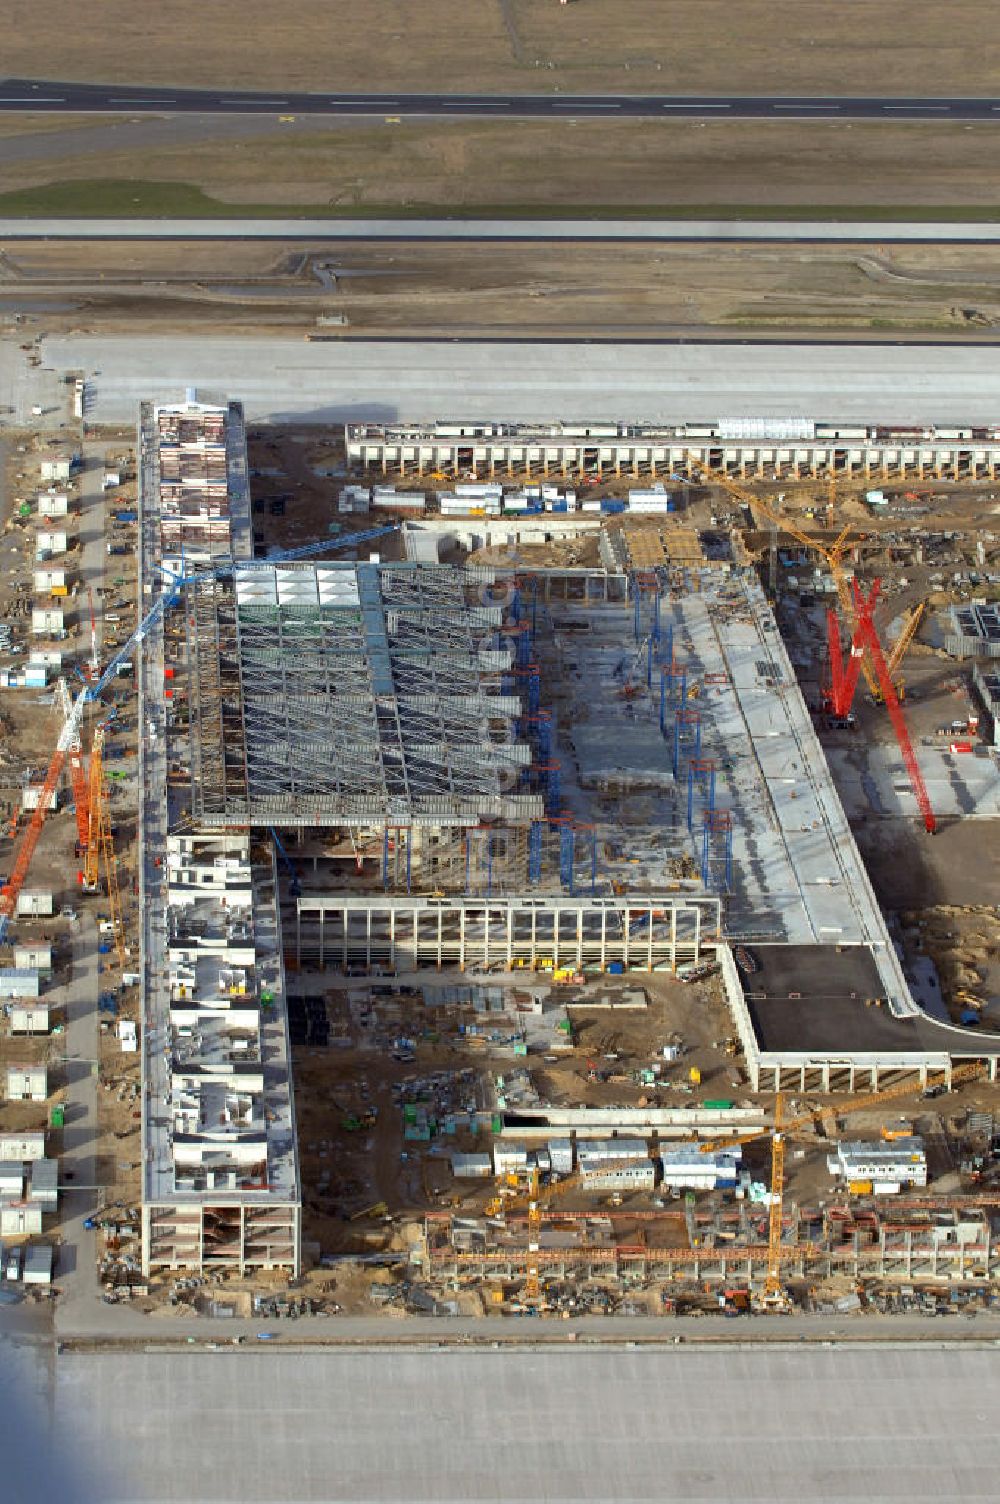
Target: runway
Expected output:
[48,96]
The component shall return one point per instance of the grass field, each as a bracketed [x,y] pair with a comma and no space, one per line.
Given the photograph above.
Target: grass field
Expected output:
[622,168]
[611,46]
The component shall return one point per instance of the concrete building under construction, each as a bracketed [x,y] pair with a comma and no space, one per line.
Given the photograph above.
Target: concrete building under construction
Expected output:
[452,766]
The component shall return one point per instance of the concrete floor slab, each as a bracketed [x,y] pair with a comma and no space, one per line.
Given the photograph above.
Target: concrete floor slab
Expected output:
[517,381]
[872,1425]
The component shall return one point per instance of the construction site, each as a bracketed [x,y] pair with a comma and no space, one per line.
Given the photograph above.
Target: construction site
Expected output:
[503,907]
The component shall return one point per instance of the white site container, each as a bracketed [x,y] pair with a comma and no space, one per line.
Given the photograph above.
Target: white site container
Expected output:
[31,797]
[21,1147]
[48,544]
[471,1166]
[47,621]
[33,954]
[29,1018]
[35,901]
[20,1217]
[509,1158]
[56,467]
[50,579]
[27,1083]
[561,1155]
[53,504]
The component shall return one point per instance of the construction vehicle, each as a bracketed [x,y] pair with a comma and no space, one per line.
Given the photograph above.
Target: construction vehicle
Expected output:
[378,1210]
[898,653]
[73,710]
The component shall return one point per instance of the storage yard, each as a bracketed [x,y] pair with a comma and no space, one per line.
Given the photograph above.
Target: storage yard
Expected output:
[466,916]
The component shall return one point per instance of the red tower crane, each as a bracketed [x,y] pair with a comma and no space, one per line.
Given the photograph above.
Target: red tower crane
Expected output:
[843,682]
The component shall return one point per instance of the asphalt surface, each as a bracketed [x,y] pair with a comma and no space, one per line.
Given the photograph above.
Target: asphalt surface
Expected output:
[876,232]
[45,95]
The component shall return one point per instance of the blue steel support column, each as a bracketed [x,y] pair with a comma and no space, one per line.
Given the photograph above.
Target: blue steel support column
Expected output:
[552,800]
[523,649]
[385,858]
[534,691]
[593,863]
[489,864]
[468,859]
[409,841]
[535,852]
[663,701]
[567,854]
[636,607]
[690,795]
[656,616]
[649,663]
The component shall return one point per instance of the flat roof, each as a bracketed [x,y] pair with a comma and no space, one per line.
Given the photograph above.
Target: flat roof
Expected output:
[813,998]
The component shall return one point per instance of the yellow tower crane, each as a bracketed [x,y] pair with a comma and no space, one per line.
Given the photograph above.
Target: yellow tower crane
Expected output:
[832,554]
[100,844]
[895,658]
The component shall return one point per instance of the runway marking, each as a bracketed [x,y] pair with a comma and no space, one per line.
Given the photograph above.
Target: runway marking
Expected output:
[806,106]
[911,107]
[695,106]
[582,109]
[253,104]
[31,99]
[142,101]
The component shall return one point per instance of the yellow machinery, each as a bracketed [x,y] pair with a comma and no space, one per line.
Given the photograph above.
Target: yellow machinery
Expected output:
[898,653]
[774,1290]
[91,865]
[378,1210]
[775,1299]
[774,1293]
[100,844]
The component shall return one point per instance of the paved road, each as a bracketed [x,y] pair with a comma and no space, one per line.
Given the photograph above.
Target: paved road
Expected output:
[45,95]
[286,380]
[77,1266]
[876,232]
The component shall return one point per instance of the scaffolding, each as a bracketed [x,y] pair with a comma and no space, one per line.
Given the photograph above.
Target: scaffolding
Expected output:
[369,696]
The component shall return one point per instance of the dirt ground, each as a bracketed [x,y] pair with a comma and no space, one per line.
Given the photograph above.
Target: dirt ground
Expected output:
[635,293]
[630,46]
[566,167]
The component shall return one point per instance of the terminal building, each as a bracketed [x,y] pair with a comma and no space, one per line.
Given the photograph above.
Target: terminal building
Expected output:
[385,763]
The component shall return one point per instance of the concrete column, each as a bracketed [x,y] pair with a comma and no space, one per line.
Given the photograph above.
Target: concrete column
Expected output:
[826,1077]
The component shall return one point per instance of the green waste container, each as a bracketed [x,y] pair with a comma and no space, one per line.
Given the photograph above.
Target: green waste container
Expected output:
[58,1117]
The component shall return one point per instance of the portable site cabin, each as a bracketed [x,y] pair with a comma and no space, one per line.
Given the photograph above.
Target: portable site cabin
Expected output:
[27,1083]
[30,1018]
